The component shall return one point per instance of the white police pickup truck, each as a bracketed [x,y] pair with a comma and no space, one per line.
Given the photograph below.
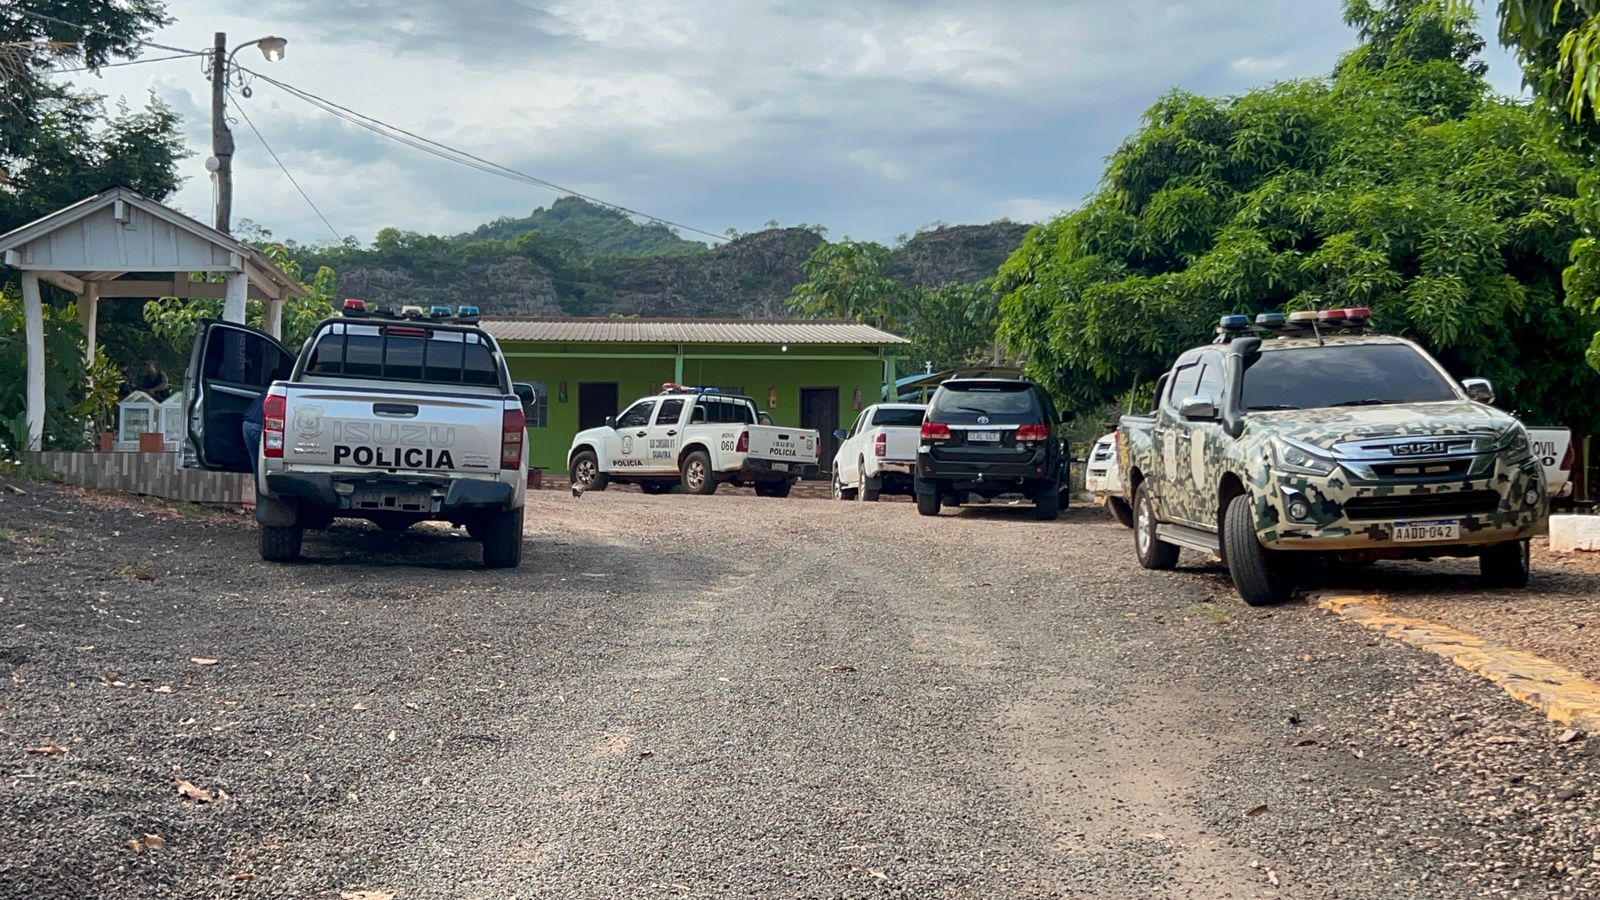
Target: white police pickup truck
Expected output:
[695,437]
[396,420]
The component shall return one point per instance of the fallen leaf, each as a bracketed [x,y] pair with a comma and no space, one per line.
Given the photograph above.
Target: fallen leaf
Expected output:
[646,754]
[1272,877]
[360,707]
[164,689]
[202,661]
[16,490]
[365,895]
[112,679]
[135,846]
[1306,742]
[1503,739]
[1570,735]
[190,792]
[843,668]
[393,737]
[1256,810]
[46,750]
[242,876]
[878,874]
[155,842]
[1154,836]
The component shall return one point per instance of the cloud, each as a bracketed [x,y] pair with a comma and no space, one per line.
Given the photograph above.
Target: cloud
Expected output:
[872,118]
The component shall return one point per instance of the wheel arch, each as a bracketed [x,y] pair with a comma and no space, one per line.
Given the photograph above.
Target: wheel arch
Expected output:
[686,449]
[573,453]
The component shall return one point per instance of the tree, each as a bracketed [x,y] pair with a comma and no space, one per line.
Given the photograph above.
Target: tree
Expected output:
[954,325]
[1399,183]
[57,143]
[175,320]
[847,281]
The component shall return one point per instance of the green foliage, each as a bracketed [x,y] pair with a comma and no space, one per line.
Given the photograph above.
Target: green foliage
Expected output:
[102,384]
[57,143]
[65,426]
[953,325]
[846,280]
[1399,183]
[175,320]
[595,230]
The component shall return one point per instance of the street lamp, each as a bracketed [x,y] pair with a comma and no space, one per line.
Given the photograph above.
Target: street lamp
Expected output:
[221,162]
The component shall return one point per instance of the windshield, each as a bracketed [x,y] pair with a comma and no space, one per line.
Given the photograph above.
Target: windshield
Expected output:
[911,418]
[1360,375]
[997,402]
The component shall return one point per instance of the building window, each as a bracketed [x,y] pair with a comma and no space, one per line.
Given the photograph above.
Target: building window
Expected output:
[539,412]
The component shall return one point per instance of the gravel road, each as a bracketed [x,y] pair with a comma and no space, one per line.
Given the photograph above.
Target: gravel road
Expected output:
[735,696]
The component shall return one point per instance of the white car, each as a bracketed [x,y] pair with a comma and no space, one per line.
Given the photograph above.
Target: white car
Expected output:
[877,454]
[696,437]
[1553,447]
[1103,478]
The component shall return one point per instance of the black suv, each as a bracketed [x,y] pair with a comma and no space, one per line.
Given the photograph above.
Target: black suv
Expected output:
[992,436]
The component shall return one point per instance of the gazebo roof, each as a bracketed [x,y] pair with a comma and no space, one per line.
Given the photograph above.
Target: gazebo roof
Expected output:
[128,245]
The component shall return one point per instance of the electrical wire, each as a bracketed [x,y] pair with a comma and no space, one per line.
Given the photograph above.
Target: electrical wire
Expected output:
[462,157]
[337,237]
[102,32]
[131,62]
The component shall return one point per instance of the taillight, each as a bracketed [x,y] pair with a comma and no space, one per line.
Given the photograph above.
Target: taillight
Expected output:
[1568,458]
[1032,434]
[513,428]
[272,411]
[935,431]
[880,445]
[744,443]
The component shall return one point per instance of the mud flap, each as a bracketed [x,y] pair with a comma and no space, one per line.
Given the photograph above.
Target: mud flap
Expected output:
[275,513]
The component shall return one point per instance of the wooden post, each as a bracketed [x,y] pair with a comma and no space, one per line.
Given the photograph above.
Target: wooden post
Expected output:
[233,298]
[33,316]
[89,318]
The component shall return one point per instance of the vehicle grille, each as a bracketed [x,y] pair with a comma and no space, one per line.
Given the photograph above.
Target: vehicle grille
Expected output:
[1443,470]
[1408,506]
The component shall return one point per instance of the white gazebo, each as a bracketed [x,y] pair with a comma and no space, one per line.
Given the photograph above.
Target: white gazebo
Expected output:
[120,244]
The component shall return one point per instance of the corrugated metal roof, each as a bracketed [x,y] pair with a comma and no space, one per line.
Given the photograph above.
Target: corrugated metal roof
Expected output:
[690,331]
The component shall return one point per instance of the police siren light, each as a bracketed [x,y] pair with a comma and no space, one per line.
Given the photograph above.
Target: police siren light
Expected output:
[411,312]
[467,314]
[438,312]
[353,308]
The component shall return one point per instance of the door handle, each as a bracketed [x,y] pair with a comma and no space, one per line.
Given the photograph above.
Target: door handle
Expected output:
[640,433]
[394,409]
[672,433]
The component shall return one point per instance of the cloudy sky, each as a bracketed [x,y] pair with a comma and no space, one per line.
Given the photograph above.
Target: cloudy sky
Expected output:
[874,117]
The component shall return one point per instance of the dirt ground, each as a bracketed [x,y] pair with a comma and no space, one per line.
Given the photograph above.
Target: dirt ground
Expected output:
[738,696]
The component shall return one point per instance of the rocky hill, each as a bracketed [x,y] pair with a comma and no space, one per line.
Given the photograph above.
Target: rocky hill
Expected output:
[508,270]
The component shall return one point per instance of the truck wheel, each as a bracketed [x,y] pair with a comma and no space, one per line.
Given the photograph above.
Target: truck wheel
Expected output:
[1505,565]
[697,475]
[1119,510]
[1153,552]
[840,492]
[773,488]
[928,503]
[584,472]
[502,539]
[280,543]
[1047,503]
[870,487]
[1258,573]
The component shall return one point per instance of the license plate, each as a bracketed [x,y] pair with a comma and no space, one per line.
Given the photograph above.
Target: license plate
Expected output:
[780,467]
[987,437]
[1442,530]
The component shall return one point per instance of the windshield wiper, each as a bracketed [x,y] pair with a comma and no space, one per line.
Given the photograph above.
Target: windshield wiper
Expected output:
[1270,406]
[1370,401]
[980,411]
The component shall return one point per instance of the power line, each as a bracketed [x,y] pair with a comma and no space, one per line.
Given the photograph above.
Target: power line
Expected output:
[462,157]
[102,32]
[131,62]
[240,107]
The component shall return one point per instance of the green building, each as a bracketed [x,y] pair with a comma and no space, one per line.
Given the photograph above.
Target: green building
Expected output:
[809,373]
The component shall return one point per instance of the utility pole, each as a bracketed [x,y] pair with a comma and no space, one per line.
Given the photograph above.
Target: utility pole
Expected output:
[221,137]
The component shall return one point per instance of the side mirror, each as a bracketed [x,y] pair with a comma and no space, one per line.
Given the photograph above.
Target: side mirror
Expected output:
[1199,408]
[1478,389]
[525,393]
[611,422]
[840,434]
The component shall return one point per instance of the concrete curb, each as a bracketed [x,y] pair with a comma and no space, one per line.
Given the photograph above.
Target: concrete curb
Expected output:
[1561,694]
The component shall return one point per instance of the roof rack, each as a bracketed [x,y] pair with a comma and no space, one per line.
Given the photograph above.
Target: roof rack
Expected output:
[353,308]
[1305,322]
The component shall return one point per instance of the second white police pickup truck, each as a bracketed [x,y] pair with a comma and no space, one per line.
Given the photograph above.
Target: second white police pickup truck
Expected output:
[695,437]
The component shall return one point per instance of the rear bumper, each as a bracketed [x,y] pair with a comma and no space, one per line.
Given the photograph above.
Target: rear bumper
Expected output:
[767,470]
[341,494]
[882,467]
[999,475]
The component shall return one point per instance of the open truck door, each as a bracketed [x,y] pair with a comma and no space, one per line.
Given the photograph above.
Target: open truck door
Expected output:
[230,367]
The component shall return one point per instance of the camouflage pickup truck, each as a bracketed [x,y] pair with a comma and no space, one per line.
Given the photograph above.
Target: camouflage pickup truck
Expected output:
[1306,435]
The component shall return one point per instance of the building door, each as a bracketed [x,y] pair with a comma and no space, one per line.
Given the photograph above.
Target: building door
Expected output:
[819,409]
[596,401]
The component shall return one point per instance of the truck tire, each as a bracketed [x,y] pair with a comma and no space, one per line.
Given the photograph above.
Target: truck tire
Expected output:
[1258,573]
[840,492]
[1047,503]
[774,488]
[1505,565]
[928,503]
[1153,552]
[870,487]
[584,472]
[1119,509]
[280,543]
[502,539]
[697,475]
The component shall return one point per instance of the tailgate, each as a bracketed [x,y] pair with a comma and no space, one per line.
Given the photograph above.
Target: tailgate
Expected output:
[783,444]
[902,443]
[391,430]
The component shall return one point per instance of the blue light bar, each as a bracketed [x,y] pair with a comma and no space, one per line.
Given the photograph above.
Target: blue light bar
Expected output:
[1232,323]
[466,312]
[438,312]
[1271,320]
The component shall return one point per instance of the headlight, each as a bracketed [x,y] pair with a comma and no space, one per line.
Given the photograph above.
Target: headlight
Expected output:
[1292,456]
[1514,444]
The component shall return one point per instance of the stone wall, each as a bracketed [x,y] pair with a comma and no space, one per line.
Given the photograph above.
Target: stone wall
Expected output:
[151,474]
